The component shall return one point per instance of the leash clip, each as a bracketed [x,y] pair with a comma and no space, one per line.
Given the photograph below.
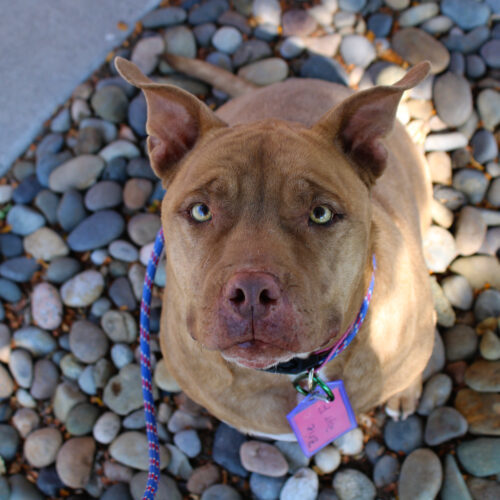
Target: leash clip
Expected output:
[313,381]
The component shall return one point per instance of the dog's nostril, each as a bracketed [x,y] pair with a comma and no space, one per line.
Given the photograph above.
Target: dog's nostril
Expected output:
[238,296]
[265,298]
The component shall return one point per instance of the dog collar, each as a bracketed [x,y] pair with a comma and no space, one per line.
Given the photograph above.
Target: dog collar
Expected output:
[318,359]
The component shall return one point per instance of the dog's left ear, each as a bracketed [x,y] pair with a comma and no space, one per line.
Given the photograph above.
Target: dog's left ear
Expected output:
[357,124]
[176,120]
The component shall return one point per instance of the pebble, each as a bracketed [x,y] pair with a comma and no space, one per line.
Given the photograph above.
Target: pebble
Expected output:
[454,487]
[83,289]
[386,471]
[146,53]
[324,68]
[470,231]
[61,122]
[267,12]
[475,66]
[484,146]
[436,393]
[493,195]
[226,449]
[135,420]
[24,220]
[444,424]
[327,459]
[44,379]
[66,397]
[9,442]
[487,304]
[483,376]
[9,291]
[488,105]
[483,488]
[161,18]
[21,367]
[439,249]
[25,420]
[27,190]
[324,46]
[104,194]
[19,269]
[179,463]
[351,484]
[123,392]
[204,33]
[265,72]
[264,487]
[292,47]
[45,244]
[74,461]
[263,458]
[167,487]
[119,491]
[416,45]
[440,166]
[110,103]
[188,442]
[131,448]
[62,269]
[121,355]
[297,22]
[46,306]
[293,454]
[460,342]
[11,245]
[42,445]
[137,115]
[70,211]
[404,435]
[447,141]
[350,443]
[142,228]
[180,41]
[4,489]
[81,419]
[38,342]
[357,50]
[478,270]
[106,427]
[467,14]
[489,346]
[107,129]
[421,475]
[78,173]
[352,5]
[380,24]
[472,183]
[449,89]
[227,39]
[251,51]
[122,295]
[303,485]
[163,379]
[119,326]
[22,489]
[119,148]
[480,457]
[136,193]
[418,14]
[89,141]
[441,215]
[96,231]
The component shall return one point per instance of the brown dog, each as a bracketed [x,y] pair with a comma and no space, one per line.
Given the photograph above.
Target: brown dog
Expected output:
[275,205]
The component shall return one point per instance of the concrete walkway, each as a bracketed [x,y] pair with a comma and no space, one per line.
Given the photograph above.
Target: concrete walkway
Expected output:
[47,48]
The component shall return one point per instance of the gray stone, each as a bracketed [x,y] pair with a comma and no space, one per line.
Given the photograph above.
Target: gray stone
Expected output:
[439,248]
[45,379]
[386,471]
[263,458]
[227,39]
[327,459]
[265,72]
[293,454]
[146,53]
[448,90]
[421,476]
[225,451]
[161,18]
[180,41]
[83,289]
[483,376]
[454,487]
[458,291]
[487,304]
[488,105]
[303,485]
[483,489]
[22,489]
[25,420]
[24,220]
[78,173]
[493,195]
[62,269]
[119,326]
[460,342]
[142,228]
[404,435]
[357,50]
[437,391]
[351,484]
[471,182]
[297,22]
[444,424]
[122,295]
[81,419]
[104,194]
[447,141]
[38,342]
[179,463]
[19,269]
[21,367]
[478,270]
[9,442]
[484,146]
[466,13]
[46,306]
[267,11]
[188,442]
[45,244]
[167,488]
[445,313]
[131,449]
[490,346]
[350,443]
[418,14]
[480,457]
[106,427]
[70,211]
[42,445]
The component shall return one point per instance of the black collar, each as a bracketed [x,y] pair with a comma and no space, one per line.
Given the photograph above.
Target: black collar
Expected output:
[298,365]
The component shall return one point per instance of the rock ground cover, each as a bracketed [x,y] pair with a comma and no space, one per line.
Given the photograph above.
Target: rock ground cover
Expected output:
[80,211]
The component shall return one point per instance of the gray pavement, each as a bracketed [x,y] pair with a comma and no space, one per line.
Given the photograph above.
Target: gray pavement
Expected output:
[47,47]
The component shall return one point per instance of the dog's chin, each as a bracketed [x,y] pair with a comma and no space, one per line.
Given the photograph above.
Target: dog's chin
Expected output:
[256,355]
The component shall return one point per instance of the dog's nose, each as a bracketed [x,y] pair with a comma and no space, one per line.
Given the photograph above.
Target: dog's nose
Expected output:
[252,294]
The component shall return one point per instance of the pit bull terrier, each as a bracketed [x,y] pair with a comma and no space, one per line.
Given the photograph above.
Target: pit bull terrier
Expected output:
[277,205]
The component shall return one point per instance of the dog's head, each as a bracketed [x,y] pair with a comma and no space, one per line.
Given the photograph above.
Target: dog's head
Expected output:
[267,225]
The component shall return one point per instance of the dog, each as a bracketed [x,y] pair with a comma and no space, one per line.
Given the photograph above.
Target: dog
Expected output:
[276,207]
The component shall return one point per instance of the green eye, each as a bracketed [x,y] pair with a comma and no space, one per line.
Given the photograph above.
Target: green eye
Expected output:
[200,212]
[321,215]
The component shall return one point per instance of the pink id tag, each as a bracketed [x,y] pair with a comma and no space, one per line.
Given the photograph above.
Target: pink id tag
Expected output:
[317,423]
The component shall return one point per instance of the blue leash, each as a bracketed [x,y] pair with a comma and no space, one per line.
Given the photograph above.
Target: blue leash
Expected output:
[147,387]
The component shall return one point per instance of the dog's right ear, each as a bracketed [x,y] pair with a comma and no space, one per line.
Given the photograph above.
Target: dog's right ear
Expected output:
[176,120]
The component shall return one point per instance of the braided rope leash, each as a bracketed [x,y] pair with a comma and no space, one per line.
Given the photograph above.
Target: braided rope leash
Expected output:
[147,386]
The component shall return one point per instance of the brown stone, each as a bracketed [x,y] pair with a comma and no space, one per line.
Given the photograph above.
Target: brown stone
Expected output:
[203,477]
[263,458]
[456,371]
[74,461]
[481,410]
[483,376]
[136,193]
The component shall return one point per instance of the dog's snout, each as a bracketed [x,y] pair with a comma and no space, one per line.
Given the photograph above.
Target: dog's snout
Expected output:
[252,294]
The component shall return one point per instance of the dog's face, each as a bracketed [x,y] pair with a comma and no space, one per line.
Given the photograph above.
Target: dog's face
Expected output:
[267,225]
[266,237]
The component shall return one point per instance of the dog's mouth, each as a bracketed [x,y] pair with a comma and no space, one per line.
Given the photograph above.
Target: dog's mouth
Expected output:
[257,354]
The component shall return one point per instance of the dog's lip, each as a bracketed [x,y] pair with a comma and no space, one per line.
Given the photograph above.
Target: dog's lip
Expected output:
[256,354]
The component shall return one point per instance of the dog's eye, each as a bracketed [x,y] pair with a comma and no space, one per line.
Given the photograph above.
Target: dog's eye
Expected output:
[200,212]
[321,215]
